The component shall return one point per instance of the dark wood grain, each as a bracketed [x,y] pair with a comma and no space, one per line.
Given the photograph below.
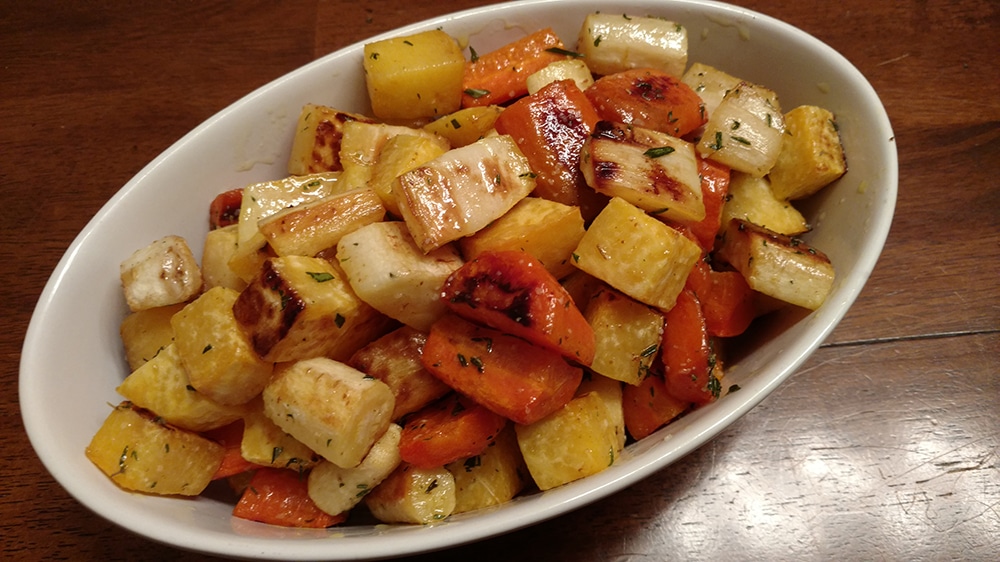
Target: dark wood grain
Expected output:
[885,445]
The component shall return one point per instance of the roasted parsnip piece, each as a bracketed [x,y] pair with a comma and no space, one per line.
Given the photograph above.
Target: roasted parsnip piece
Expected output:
[745,131]
[163,273]
[611,43]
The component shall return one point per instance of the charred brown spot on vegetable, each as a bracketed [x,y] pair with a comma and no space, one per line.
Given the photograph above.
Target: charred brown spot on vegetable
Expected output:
[496,294]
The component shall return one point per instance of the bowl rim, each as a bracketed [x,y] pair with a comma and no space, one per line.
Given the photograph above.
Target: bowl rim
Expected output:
[702,424]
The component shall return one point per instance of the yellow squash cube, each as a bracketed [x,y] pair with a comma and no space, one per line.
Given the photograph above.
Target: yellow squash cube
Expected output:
[414,77]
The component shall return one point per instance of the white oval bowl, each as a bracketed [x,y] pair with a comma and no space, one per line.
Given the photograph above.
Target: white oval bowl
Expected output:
[64,395]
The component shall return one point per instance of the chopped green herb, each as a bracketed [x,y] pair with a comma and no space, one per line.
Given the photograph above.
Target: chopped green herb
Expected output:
[740,140]
[560,51]
[320,276]
[476,93]
[339,320]
[659,151]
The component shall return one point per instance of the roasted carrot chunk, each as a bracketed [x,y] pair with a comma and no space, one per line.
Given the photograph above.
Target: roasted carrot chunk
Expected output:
[501,75]
[727,300]
[452,428]
[687,356]
[550,127]
[279,496]
[512,291]
[518,380]
[648,98]
[648,406]
[714,189]
[225,208]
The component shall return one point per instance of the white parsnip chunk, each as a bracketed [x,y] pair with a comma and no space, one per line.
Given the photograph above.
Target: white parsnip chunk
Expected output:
[163,273]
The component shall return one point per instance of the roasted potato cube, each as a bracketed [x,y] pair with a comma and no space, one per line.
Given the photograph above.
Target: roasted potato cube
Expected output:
[220,247]
[637,254]
[578,440]
[145,332]
[745,131]
[751,199]
[547,230]
[413,495]
[779,266]
[811,154]
[163,273]
[462,191]
[314,226]
[335,489]
[389,272]
[612,43]
[651,170]
[627,334]
[141,453]
[612,393]
[416,76]
[300,307]
[162,385]
[332,408]
[492,477]
[266,444]
[399,155]
[219,359]
[395,360]
[316,146]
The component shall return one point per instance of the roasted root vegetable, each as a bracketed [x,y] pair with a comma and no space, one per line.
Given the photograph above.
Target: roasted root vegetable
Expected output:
[141,452]
[627,335]
[278,496]
[779,266]
[452,428]
[648,98]
[492,477]
[512,291]
[549,127]
[751,199]
[648,406]
[463,190]
[508,375]
[811,155]
[336,489]
[611,43]
[745,131]
[318,132]
[309,228]
[651,170]
[688,358]
[334,409]
[413,495]
[413,77]
[637,254]
[501,75]
[144,333]
[163,273]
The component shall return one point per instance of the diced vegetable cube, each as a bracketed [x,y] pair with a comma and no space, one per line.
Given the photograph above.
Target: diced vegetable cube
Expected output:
[316,146]
[266,444]
[811,154]
[466,125]
[389,272]
[492,477]
[745,132]
[139,452]
[163,273]
[414,77]
[570,69]
[337,490]
[578,440]
[651,170]
[462,191]
[612,43]
[501,75]
[452,428]
[332,408]
[782,267]
[637,254]
[314,226]
[162,386]
[220,247]
[648,98]
[399,155]
[145,332]
[627,335]
[711,84]
[413,495]
[277,496]
[752,199]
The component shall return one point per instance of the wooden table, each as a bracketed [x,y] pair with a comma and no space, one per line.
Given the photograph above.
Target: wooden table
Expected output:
[886,444]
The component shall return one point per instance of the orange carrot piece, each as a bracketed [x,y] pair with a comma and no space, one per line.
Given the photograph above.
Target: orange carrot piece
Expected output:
[727,301]
[506,374]
[714,189]
[500,76]
[550,127]
[278,496]
[687,356]
[512,291]
[648,98]
[450,429]
[648,406]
